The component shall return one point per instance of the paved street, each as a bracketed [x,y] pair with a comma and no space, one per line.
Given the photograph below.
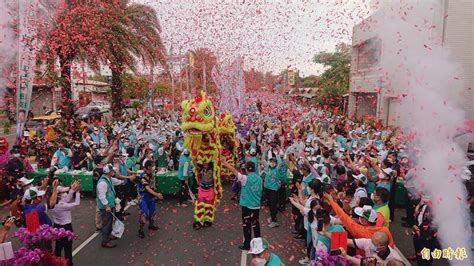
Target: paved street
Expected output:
[176,243]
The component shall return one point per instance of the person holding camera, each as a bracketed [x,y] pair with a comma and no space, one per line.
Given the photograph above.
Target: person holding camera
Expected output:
[250,201]
[309,209]
[376,248]
[7,225]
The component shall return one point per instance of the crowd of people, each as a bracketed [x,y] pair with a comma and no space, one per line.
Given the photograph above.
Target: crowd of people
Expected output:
[341,176]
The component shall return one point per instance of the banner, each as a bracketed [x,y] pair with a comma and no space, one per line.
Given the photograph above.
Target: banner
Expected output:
[26,61]
[231,85]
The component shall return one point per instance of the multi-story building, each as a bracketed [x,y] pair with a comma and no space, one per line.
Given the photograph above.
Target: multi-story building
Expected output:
[454,29]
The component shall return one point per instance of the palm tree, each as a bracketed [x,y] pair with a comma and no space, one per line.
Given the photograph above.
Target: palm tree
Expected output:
[132,34]
[70,32]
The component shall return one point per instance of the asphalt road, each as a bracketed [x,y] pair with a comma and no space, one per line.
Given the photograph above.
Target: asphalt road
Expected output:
[177,243]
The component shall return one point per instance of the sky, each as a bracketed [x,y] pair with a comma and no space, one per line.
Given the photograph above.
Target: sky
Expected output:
[269,35]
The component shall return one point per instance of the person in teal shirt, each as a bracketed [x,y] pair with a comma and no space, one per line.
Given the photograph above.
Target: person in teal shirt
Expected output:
[307,178]
[184,174]
[259,249]
[283,177]
[250,201]
[271,185]
[253,159]
[328,228]
[162,158]
[62,157]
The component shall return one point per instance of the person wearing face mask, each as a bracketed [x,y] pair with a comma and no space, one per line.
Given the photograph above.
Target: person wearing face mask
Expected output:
[184,174]
[375,247]
[253,158]
[62,157]
[61,214]
[271,185]
[424,231]
[162,157]
[283,178]
[79,158]
[261,255]
[385,179]
[250,201]
[147,199]
[365,224]
[360,181]
[307,178]
[98,137]
[380,198]
[14,166]
[306,205]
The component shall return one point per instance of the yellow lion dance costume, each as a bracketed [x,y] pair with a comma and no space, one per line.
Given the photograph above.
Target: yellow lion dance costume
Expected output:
[228,143]
[199,122]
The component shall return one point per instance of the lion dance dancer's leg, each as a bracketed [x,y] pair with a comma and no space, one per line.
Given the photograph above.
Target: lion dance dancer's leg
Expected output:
[204,206]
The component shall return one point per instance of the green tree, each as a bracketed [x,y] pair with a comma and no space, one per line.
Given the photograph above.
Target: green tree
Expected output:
[135,87]
[132,34]
[335,79]
[311,81]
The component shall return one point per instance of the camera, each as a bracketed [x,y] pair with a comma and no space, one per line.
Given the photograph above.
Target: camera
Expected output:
[16,219]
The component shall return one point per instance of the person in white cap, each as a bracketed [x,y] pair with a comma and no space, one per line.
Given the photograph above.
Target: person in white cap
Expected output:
[360,181]
[33,203]
[261,255]
[106,202]
[62,217]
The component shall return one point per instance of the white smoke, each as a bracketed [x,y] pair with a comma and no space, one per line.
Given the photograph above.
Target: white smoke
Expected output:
[8,43]
[419,70]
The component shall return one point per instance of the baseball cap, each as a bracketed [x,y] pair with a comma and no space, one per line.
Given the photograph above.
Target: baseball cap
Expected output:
[258,245]
[361,178]
[388,170]
[33,193]
[108,168]
[366,212]
[325,179]
[26,181]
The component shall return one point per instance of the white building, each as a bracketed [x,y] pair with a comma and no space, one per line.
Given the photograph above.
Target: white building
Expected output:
[454,30]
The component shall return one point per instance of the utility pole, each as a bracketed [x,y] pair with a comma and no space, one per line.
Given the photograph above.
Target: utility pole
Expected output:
[204,76]
[187,81]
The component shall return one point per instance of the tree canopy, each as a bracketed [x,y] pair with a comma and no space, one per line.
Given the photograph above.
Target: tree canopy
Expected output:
[335,79]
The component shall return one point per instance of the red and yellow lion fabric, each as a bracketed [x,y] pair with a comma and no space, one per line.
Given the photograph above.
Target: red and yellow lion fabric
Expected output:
[199,123]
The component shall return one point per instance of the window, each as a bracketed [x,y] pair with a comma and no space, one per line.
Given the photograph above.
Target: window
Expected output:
[368,53]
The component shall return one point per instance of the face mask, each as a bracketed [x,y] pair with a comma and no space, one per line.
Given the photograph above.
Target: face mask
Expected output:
[16,155]
[259,262]
[77,145]
[308,191]
[126,144]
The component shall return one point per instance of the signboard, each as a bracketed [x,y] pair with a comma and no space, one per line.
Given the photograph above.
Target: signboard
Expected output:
[26,60]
